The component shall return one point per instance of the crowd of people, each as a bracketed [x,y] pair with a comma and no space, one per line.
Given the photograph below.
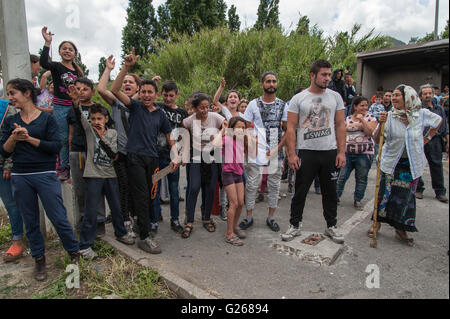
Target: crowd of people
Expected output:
[322,134]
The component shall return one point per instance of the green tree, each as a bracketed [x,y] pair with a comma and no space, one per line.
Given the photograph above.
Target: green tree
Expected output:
[140,30]
[234,23]
[190,16]
[444,34]
[303,25]
[80,63]
[101,67]
[163,22]
[343,46]
[268,15]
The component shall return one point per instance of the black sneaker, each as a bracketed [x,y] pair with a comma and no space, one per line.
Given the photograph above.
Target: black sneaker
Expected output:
[176,227]
[273,225]
[75,257]
[245,224]
[101,230]
[160,218]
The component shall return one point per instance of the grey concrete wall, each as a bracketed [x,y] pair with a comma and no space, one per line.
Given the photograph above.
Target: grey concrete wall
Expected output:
[391,78]
[410,76]
[370,80]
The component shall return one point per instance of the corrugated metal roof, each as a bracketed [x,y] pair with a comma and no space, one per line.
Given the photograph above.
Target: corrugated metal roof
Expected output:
[406,48]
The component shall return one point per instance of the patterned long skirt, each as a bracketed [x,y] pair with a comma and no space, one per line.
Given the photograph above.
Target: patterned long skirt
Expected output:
[397,198]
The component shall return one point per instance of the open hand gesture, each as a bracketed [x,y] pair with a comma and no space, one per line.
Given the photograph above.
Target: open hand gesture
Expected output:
[48,36]
[110,63]
[74,95]
[131,59]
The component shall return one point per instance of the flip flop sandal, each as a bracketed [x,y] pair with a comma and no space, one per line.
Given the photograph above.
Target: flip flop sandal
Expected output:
[14,252]
[187,232]
[235,241]
[210,226]
[407,241]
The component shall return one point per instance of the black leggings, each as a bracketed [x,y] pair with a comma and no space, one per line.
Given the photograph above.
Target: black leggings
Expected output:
[322,164]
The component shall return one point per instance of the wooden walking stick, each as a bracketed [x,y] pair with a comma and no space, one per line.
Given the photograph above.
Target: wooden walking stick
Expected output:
[373,244]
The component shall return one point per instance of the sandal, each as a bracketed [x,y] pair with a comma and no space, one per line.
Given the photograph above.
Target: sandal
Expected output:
[370,231]
[187,232]
[14,252]
[408,241]
[210,226]
[234,240]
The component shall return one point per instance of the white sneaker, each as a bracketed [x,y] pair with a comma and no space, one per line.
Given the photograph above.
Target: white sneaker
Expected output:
[335,236]
[291,233]
[88,253]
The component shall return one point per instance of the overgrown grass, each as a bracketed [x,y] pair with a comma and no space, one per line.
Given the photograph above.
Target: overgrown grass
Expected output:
[111,273]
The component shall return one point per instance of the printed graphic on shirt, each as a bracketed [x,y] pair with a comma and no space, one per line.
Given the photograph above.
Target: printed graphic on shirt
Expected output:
[317,123]
[67,79]
[100,156]
[357,141]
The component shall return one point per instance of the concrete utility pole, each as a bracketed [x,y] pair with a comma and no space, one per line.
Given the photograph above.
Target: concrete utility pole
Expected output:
[15,53]
[436,21]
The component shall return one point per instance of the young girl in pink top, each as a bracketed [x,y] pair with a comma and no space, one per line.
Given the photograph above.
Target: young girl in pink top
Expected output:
[233,142]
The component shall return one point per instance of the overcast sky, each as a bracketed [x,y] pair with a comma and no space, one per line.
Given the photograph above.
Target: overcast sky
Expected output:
[98,30]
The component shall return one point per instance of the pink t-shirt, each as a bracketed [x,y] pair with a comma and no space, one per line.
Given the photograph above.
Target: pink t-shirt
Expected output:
[357,141]
[233,155]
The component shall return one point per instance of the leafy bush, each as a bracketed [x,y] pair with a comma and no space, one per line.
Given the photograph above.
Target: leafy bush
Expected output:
[198,62]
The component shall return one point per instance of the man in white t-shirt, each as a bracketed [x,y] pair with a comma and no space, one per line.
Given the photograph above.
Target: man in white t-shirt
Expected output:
[269,115]
[318,116]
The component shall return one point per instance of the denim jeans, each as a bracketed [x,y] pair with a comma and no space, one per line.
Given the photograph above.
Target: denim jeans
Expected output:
[173,180]
[10,204]
[208,190]
[95,188]
[361,163]
[79,187]
[26,189]
[60,113]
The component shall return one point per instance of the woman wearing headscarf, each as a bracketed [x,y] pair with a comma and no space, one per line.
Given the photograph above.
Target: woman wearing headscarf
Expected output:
[402,160]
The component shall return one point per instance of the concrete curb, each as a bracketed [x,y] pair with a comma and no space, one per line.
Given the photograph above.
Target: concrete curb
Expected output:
[182,288]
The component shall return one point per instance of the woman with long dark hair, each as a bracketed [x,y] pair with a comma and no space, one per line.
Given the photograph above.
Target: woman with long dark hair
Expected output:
[360,148]
[30,137]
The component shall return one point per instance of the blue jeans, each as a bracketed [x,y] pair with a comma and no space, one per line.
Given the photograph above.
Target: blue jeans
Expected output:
[361,163]
[208,191]
[26,189]
[10,204]
[95,187]
[60,113]
[173,180]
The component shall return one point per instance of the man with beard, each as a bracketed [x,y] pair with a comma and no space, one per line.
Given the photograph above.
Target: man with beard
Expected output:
[269,115]
[319,151]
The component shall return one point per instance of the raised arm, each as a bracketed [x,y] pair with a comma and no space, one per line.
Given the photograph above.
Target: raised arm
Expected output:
[219,92]
[48,37]
[103,83]
[44,78]
[129,61]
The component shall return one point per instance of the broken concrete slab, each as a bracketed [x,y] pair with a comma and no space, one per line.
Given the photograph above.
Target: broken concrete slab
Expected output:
[325,253]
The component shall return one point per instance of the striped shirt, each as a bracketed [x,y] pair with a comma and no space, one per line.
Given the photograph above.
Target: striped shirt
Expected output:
[398,136]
